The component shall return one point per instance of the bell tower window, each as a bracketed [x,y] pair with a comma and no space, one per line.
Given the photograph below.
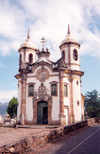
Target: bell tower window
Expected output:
[30,58]
[75,54]
[63,54]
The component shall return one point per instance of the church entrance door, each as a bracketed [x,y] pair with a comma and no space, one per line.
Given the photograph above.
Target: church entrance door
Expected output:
[42,112]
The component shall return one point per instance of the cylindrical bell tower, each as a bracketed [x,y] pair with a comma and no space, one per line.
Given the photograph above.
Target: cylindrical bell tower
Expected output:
[27,52]
[70,51]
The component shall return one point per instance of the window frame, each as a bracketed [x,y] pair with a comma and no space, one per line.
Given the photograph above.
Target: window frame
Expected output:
[31,55]
[75,57]
[66,84]
[56,83]
[31,84]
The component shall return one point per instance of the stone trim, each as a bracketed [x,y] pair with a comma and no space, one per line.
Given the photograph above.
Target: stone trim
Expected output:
[23,99]
[28,84]
[35,110]
[72,119]
[39,64]
[67,107]
[73,64]
[28,143]
[61,92]
[41,70]
[66,84]
[54,82]
[41,95]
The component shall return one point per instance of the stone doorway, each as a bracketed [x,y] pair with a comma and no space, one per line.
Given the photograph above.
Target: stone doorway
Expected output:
[42,112]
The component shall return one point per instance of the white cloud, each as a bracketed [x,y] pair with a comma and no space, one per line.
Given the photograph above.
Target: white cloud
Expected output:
[49,18]
[6,96]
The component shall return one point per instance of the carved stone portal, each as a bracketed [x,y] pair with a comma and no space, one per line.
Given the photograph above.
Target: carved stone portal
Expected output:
[40,96]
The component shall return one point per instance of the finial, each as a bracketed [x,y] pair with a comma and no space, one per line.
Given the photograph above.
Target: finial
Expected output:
[68,29]
[28,34]
[43,41]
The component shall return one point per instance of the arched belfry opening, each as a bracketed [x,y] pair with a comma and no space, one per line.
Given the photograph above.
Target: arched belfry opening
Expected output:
[42,112]
[30,58]
[42,106]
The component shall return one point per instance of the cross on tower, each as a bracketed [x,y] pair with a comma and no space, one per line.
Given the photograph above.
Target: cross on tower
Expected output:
[43,41]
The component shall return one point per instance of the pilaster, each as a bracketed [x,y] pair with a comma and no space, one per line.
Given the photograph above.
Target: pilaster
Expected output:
[23,99]
[61,87]
[72,119]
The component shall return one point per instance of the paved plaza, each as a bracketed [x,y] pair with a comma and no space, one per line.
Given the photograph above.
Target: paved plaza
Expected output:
[10,135]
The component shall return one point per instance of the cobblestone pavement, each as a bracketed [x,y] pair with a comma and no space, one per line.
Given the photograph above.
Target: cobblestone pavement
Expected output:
[9,135]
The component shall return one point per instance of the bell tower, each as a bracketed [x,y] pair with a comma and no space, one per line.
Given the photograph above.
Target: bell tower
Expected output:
[27,52]
[70,51]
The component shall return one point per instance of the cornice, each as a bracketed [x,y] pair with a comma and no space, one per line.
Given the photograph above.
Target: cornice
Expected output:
[21,48]
[69,43]
[17,76]
[73,64]
[74,72]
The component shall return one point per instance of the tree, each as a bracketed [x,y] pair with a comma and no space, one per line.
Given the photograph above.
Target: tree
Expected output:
[92,104]
[12,108]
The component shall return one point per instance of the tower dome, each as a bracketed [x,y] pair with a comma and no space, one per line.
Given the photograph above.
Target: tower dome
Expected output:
[27,51]
[28,43]
[69,39]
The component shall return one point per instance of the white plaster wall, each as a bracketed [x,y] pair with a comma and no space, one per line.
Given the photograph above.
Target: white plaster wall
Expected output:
[55,100]
[28,51]
[66,113]
[22,53]
[74,67]
[77,97]
[19,102]
[66,99]
[32,52]
[29,108]
[72,59]
[65,48]
[55,108]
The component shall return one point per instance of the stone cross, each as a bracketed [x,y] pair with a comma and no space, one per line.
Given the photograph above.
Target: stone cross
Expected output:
[43,41]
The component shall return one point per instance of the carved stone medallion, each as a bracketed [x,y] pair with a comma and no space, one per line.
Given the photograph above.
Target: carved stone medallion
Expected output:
[42,74]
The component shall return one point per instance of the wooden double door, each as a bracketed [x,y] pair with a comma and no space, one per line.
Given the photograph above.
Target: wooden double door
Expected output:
[42,112]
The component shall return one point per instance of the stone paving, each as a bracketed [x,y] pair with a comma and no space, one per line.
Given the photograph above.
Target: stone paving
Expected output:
[10,135]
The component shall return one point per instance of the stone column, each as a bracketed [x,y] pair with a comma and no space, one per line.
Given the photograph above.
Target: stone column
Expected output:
[23,99]
[61,91]
[71,98]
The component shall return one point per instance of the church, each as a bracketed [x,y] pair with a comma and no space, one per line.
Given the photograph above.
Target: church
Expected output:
[50,92]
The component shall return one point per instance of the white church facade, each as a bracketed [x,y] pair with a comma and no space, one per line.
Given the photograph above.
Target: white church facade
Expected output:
[49,92]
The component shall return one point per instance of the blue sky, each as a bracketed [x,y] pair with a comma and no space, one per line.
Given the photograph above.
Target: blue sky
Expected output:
[49,18]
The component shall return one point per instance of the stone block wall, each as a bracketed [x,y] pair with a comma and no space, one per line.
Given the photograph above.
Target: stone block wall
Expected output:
[28,145]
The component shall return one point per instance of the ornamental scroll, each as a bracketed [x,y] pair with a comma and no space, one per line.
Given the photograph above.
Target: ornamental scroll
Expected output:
[41,94]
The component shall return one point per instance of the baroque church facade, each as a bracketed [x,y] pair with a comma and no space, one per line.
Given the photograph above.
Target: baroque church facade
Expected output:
[49,92]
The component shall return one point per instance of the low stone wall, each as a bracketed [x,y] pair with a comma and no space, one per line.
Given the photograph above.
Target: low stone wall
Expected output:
[27,145]
[93,121]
